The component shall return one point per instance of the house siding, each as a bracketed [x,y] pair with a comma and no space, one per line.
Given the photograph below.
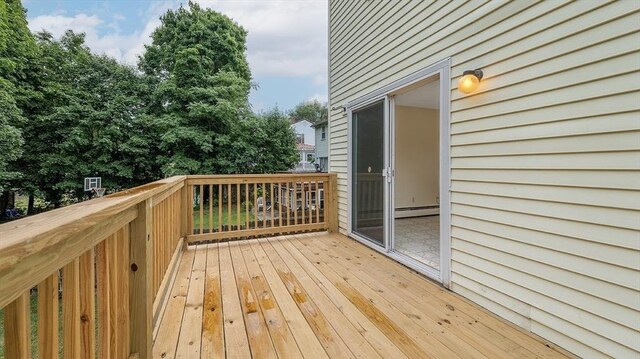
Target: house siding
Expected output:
[322,147]
[545,155]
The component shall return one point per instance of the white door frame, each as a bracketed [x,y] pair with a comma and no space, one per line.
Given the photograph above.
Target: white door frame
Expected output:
[443,69]
[385,246]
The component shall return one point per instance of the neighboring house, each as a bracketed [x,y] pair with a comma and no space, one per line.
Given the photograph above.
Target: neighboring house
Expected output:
[322,145]
[304,132]
[305,144]
[306,162]
[523,195]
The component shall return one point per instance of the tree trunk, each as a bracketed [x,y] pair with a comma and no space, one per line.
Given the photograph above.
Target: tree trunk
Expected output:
[30,205]
[4,202]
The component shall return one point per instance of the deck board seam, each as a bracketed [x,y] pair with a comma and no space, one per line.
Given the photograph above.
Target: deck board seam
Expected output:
[329,289]
[446,341]
[278,281]
[336,331]
[411,346]
[233,269]
[406,273]
[250,243]
[267,242]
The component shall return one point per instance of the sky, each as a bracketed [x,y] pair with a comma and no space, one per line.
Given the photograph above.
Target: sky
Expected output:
[286,42]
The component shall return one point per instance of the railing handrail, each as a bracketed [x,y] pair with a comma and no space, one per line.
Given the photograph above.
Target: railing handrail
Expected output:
[261,175]
[256,178]
[35,236]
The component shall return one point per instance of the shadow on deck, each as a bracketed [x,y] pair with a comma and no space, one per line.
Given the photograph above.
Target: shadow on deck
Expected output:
[322,295]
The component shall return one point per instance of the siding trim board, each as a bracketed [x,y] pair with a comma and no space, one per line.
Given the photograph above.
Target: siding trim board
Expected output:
[544,156]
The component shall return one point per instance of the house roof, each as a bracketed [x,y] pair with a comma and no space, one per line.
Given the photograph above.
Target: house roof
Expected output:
[321,123]
[305,147]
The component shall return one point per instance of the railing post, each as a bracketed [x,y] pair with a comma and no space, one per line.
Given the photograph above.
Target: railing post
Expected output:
[333,203]
[140,281]
[184,210]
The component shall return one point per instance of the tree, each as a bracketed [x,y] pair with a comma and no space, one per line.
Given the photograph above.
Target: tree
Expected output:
[313,111]
[10,136]
[17,49]
[264,143]
[94,125]
[201,81]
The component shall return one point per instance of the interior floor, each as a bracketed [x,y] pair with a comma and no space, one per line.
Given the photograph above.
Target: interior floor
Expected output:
[419,238]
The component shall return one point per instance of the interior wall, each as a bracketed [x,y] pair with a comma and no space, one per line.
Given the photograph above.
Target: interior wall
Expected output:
[417,158]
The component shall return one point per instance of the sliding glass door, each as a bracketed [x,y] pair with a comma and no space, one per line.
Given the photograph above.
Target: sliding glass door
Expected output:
[399,170]
[368,170]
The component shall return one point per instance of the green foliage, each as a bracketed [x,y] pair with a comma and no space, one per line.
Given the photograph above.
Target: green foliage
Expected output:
[201,81]
[10,136]
[91,122]
[264,143]
[17,48]
[312,111]
[66,113]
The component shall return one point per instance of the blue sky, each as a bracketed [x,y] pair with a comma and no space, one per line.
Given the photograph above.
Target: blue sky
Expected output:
[286,45]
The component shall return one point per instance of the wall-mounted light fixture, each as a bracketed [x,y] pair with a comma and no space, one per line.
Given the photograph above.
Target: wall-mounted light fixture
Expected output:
[469,81]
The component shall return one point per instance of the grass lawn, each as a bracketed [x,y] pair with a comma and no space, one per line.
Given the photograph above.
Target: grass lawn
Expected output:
[227,218]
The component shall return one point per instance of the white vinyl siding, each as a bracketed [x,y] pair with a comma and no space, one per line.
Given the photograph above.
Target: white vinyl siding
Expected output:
[545,155]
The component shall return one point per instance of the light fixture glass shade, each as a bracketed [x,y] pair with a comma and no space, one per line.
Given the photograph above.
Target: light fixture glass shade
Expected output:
[468,83]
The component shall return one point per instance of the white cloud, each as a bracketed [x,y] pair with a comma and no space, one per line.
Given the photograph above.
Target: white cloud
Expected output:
[115,45]
[123,47]
[318,97]
[58,24]
[286,38]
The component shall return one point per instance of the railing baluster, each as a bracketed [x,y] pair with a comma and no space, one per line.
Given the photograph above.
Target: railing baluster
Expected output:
[190,209]
[303,200]
[87,304]
[210,208]
[264,205]
[246,205]
[48,317]
[229,199]
[114,300]
[279,197]
[317,204]
[325,188]
[16,328]
[201,213]
[295,203]
[238,197]
[272,204]
[123,312]
[220,208]
[255,205]
[104,302]
[71,309]
[156,248]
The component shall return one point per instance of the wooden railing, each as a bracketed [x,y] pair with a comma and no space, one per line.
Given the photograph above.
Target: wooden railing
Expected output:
[105,266]
[244,206]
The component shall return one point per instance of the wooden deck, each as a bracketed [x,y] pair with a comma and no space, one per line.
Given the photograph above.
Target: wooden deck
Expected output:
[318,296]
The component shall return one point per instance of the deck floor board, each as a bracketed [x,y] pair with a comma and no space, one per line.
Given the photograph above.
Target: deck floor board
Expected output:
[323,295]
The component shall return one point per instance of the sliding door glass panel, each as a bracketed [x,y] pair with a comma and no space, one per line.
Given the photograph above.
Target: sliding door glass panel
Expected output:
[367,168]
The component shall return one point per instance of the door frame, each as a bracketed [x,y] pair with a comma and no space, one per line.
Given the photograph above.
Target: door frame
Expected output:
[362,104]
[443,69]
